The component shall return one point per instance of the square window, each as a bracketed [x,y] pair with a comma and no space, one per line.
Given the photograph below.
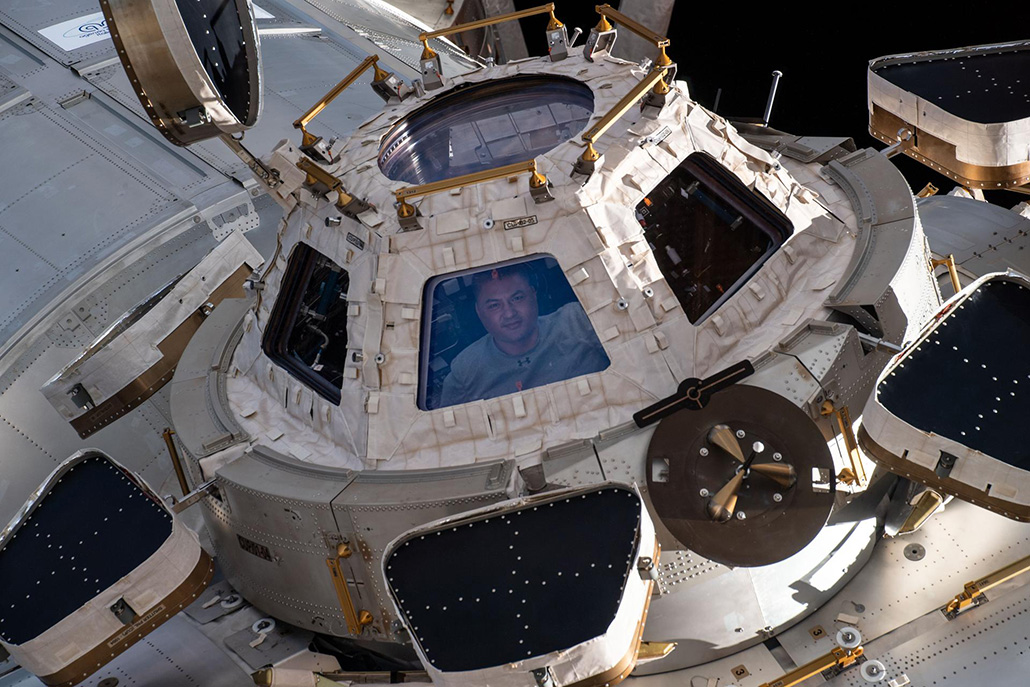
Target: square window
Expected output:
[307,331]
[502,329]
[709,233]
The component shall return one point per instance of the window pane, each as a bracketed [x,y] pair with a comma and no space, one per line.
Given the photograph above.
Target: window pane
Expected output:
[487,125]
[709,233]
[503,329]
[307,332]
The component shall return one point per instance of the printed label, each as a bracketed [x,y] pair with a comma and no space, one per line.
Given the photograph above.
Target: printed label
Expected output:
[131,629]
[78,33]
[519,222]
[355,241]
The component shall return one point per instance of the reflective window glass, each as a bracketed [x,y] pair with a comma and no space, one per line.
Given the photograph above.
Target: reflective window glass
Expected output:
[502,329]
[307,331]
[476,127]
[709,233]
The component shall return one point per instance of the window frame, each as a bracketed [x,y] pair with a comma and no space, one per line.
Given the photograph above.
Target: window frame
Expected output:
[728,188]
[295,281]
[426,325]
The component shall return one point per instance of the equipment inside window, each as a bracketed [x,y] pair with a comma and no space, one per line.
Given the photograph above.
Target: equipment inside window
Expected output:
[709,233]
[307,332]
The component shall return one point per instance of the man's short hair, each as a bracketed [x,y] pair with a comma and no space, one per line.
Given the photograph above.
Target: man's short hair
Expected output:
[479,279]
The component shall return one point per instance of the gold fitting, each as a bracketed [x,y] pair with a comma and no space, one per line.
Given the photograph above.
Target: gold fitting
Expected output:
[379,74]
[554,23]
[661,88]
[427,52]
[537,180]
[262,677]
[307,138]
[449,10]
[927,191]
[405,209]
[826,408]
[847,477]
[663,59]
[604,24]
[364,618]
[590,154]
[343,550]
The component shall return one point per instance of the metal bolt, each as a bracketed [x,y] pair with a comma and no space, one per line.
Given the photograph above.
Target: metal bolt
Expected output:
[741,515]
[622,304]
[703,451]
[777,457]
[777,497]
[380,359]
[704,492]
[758,447]
[648,292]
[740,434]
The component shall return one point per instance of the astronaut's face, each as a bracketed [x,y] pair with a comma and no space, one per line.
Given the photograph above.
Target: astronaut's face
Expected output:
[508,309]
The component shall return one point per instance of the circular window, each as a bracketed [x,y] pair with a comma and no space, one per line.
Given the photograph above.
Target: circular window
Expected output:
[486,125]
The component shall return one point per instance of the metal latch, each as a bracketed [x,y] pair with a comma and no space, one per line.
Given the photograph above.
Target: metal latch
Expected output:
[647,569]
[124,612]
[544,677]
[945,465]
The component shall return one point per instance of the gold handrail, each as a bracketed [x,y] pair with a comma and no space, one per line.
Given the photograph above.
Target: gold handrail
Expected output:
[620,108]
[952,270]
[659,41]
[608,12]
[837,658]
[973,591]
[346,82]
[405,209]
[318,175]
[355,620]
[428,53]
[180,474]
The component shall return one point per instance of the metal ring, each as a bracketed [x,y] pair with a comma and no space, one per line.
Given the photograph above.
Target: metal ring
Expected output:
[874,671]
[265,625]
[849,637]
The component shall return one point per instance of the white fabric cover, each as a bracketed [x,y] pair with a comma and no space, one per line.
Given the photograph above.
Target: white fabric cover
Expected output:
[590,229]
[135,350]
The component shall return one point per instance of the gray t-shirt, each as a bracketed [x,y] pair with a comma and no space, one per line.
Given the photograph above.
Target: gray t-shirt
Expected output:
[567,347]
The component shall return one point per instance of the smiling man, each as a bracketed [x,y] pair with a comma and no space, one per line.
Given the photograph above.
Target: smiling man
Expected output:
[521,349]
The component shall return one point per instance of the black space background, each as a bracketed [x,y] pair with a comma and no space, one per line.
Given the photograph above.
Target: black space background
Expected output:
[823,50]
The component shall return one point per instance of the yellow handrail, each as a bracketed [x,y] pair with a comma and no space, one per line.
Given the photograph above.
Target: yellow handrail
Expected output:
[659,41]
[405,209]
[380,75]
[428,53]
[620,108]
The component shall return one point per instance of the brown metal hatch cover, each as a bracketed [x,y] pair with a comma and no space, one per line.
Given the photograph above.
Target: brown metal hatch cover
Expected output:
[698,463]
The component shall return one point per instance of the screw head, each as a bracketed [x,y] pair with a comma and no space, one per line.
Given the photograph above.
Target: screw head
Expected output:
[704,492]
[777,497]
[777,457]
[740,434]
[703,451]
[741,515]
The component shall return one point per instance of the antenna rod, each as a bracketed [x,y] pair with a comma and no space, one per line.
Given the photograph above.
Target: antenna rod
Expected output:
[772,96]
